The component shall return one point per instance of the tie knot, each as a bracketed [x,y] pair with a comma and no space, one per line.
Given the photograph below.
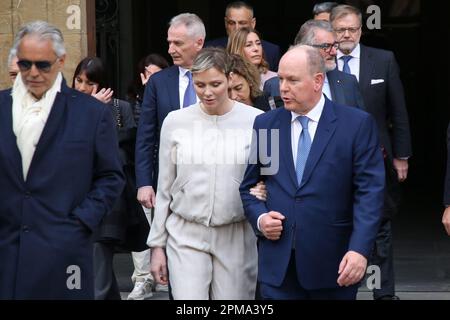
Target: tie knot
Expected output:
[189,75]
[304,121]
[346,59]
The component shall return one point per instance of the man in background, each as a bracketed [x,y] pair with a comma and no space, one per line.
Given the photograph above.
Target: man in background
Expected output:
[238,15]
[379,79]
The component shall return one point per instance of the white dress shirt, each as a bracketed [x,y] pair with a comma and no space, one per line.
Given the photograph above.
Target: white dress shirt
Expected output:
[326,88]
[296,130]
[353,64]
[183,84]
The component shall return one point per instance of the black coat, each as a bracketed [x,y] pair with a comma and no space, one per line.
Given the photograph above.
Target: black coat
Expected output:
[46,222]
[126,226]
[447,176]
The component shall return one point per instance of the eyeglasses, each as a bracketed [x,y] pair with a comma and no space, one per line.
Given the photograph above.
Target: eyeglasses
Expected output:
[327,47]
[44,66]
[342,31]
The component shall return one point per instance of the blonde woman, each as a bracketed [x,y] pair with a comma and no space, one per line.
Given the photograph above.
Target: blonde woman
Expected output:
[199,233]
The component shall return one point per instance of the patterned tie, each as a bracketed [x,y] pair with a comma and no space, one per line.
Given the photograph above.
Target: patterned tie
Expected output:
[304,146]
[190,97]
[346,68]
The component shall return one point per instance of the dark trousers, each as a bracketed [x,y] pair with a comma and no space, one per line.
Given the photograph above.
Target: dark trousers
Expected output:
[291,289]
[382,256]
[105,283]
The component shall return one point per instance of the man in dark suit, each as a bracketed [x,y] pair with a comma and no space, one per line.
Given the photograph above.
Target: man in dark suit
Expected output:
[324,176]
[446,215]
[383,96]
[339,87]
[60,174]
[240,14]
[166,91]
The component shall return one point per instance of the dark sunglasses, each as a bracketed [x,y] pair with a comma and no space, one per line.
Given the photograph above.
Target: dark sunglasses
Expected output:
[44,66]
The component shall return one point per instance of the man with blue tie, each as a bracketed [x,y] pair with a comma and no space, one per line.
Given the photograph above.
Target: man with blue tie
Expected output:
[382,90]
[166,91]
[324,197]
[340,87]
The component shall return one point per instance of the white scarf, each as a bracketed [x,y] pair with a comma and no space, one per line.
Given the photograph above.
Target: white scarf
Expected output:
[30,117]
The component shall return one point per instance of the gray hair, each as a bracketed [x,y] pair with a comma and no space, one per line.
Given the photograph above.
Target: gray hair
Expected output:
[239,5]
[193,24]
[12,55]
[44,31]
[314,59]
[344,10]
[323,7]
[307,32]
[212,58]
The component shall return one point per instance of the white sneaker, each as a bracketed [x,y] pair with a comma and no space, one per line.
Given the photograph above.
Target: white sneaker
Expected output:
[142,290]
[161,288]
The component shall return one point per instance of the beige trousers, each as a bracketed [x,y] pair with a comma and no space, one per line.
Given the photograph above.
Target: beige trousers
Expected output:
[218,263]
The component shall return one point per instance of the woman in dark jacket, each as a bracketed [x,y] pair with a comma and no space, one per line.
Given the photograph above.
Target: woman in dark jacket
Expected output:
[148,66]
[127,215]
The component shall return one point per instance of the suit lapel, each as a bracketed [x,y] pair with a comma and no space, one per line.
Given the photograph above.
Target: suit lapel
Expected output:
[365,71]
[54,121]
[286,144]
[336,88]
[173,83]
[324,132]
[9,139]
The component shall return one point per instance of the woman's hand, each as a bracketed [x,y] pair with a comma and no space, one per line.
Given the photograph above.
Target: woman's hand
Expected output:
[104,95]
[158,266]
[259,191]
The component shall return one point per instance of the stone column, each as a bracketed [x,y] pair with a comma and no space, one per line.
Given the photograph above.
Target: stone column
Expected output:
[68,15]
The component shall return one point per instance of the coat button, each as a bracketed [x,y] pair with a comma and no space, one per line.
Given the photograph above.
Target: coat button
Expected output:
[25,229]
[28,195]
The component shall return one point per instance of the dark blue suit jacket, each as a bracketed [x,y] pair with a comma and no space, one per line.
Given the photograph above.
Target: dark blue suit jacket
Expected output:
[46,222]
[336,208]
[160,98]
[344,89]
[271,51]
[385,101]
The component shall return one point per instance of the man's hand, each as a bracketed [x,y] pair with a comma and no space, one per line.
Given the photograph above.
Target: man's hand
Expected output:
[146,197]
[446,220]
[259,191]
[401,166]
[158,266]
[271,225]
[352,269]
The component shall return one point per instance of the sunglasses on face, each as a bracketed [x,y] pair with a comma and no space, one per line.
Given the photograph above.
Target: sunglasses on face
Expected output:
[44,66]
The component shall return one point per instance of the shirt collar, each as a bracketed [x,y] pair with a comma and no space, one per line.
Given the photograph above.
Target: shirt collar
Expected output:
[314,114]
[356,53]
[183,71]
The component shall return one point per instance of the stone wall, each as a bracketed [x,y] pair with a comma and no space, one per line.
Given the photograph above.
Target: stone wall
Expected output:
[14,13]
